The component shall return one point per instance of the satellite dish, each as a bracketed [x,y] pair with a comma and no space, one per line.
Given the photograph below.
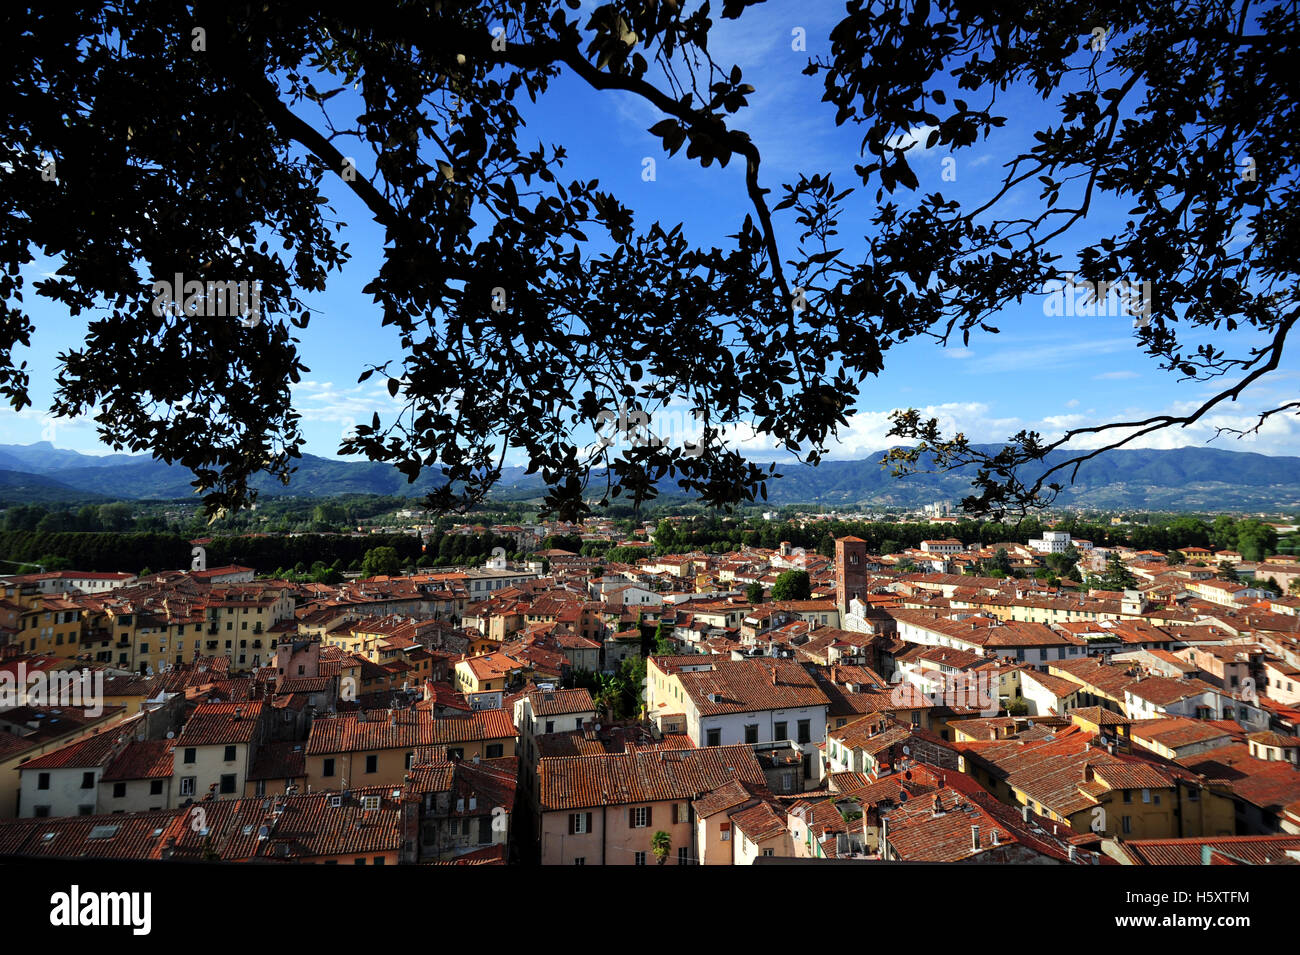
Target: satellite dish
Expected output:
[171,735]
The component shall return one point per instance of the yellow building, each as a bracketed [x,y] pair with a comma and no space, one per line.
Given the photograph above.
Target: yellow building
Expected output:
[378,747]
[50,626]
[1110,796]
[489,671]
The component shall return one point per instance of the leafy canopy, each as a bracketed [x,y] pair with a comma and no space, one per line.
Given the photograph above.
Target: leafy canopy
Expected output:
[531,308]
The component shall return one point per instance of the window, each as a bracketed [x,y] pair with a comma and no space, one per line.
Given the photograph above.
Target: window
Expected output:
[1128,825]
[372,763]
[550,726]
[230,754]
[455,753]
[87,780]
[682,857]
[725,831]
[751,732]
[228,783]
[41,811]
[191,755]
[1193,795]
[1146,795]
[85,810]
[187,785]
[779,731]
[713,737]
[805,731]
[639,817]
[579,823]
[379,860]
[769,852]
[327,767]
[1128,795]
[580,860]
[119,790]
[495,750]
[155,787]
[640,858]
[43,781]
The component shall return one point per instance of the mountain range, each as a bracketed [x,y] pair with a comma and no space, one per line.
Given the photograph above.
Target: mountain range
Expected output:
[1191,479]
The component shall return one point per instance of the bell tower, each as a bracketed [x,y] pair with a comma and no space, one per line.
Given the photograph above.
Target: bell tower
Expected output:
[850,571]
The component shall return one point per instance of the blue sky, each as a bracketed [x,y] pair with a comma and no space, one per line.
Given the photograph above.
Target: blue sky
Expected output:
[1041,372]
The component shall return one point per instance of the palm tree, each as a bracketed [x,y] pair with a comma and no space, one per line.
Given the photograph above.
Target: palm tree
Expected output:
[661,844]
[610,690]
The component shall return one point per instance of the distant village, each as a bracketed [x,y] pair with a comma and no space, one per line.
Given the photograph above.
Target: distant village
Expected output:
[945,703]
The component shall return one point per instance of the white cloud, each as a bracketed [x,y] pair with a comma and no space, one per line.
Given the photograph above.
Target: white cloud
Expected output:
[1116,375]
[323,401]
[914,140]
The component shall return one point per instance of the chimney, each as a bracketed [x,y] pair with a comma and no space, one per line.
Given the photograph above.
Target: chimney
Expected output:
[996,837]
[1024,812]
[975,838]
[1074,854]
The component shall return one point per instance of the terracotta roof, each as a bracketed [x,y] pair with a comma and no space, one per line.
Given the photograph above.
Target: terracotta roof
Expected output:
[215,724]
[120,836]
[95,750]
[1254,850]
[555,702]
[142,759]
[579,782]
[742,686]
[760,822]
[405,728]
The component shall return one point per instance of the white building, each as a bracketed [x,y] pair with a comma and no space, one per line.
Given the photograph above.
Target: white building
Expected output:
[1052,542]
[948,546]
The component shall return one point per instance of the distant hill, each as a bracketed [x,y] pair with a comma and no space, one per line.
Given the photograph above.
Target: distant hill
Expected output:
[1180,479]
[23,487]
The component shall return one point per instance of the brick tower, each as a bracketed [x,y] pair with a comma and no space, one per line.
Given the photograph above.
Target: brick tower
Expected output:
[850,571]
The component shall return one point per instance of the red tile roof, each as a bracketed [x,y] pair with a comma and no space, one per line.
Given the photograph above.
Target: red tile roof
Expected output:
[579,782]
[382,729]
